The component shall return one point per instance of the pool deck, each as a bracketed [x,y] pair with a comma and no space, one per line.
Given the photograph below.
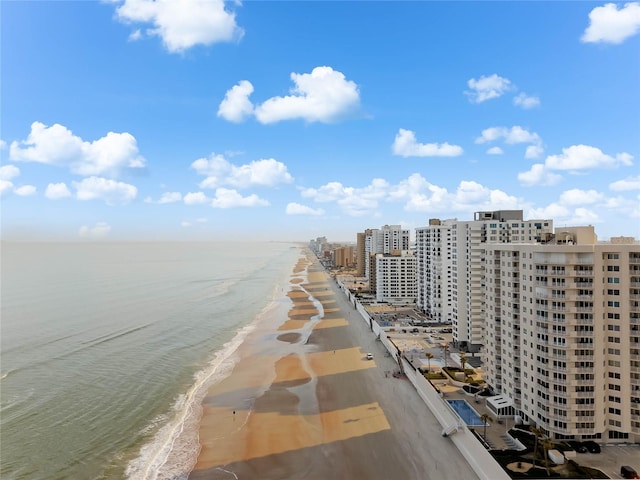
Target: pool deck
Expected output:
[496,431]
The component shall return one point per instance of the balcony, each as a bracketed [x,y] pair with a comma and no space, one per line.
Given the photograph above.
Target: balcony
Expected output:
[580,273]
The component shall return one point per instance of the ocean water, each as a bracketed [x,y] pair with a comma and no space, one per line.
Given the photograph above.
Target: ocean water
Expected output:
[106,349]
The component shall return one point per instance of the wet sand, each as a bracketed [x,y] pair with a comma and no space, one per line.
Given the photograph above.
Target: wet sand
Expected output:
[304,402]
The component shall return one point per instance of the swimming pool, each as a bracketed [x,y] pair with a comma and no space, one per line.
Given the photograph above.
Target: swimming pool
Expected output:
[466,413]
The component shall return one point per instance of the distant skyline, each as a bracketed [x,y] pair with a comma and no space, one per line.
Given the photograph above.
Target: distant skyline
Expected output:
[210,120]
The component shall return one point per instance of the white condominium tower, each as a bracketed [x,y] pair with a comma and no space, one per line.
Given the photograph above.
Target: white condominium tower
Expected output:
[450,257]
[396,277]
[384,240]
[562,333]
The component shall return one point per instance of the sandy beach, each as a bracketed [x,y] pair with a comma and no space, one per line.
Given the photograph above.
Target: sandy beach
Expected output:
[303,401]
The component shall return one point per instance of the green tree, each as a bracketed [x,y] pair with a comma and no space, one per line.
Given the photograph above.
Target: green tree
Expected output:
[429,356]
[463,361]
[486,419]
[547,444]
[538,433]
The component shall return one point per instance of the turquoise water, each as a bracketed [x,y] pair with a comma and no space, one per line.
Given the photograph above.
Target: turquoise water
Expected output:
[466,412]
[106,346]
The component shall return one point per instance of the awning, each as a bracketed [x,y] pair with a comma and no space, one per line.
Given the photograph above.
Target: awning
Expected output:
[500,405]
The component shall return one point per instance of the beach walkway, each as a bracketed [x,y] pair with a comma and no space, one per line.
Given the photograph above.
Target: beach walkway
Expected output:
[304,402]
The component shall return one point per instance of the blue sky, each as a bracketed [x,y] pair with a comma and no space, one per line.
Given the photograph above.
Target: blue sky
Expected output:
[203,120]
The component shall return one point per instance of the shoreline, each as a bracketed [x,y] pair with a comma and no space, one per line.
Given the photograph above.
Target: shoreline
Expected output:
[174,448]
[304,399]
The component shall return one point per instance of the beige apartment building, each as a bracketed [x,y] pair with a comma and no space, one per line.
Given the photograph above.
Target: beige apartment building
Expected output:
[361,253]
[343,256]
[562,333]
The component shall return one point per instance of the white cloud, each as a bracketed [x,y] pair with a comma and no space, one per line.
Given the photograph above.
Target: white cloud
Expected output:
[416,193]
[170,197]
[553,210]
[469,196]
[3,145]
[533,151]
[406,145]
[236,106]
[495,151]
[583,216]
[580,197]
[229,198]
[486,88]
[110,191]
[583,157]
[201,220]
[196,198]
[220,172]
[9,172]
[135,35]
[56,191]
[563,216]
[5,187]
[526,101]
[100,230]
[25,190]
[538,175]
[298,209]
[353,201]
[183,24]
[513,135]
[609,25]
[630,183]
[57,145]
[574,159]
[324,95]
[185,224]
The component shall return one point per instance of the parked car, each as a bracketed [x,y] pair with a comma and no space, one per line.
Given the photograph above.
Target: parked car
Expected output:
[628,472]
[578,446]
[592,446]
[369,356]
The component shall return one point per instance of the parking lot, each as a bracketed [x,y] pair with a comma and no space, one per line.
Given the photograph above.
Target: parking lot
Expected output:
[611,459]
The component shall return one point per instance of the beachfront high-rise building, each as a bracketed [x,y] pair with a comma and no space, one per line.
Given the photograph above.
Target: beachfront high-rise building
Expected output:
[343,256]
[319,246]
[383,240]
[433,256]
[562,335]
[450,255]
[361,253]
[396,277]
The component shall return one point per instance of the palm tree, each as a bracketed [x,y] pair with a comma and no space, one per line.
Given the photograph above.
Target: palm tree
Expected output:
[547,444]
[538,432]
[429,356]
[463,361]
[485,418]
